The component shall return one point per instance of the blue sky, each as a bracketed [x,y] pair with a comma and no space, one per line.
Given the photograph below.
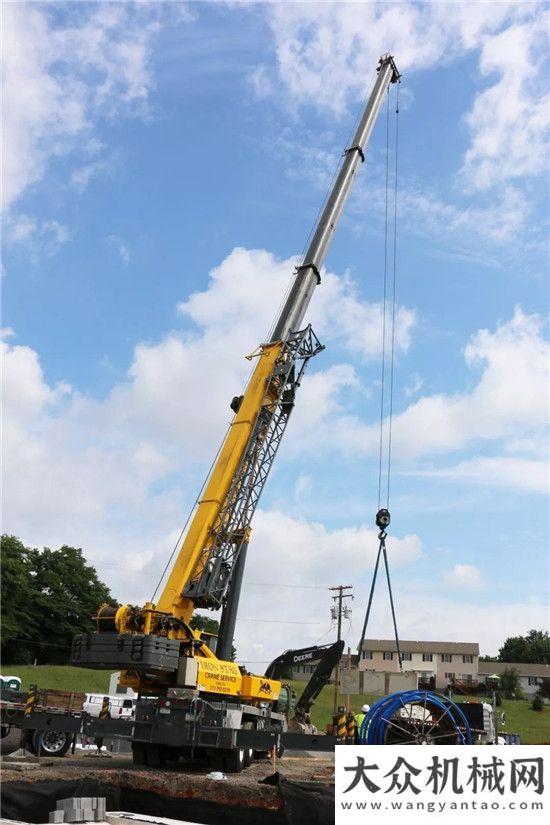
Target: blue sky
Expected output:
[163,167]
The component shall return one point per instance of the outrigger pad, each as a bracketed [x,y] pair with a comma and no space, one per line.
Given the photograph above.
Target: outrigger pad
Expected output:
[111,651]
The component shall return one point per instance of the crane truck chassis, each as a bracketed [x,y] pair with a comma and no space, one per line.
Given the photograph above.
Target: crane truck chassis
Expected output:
[178,725]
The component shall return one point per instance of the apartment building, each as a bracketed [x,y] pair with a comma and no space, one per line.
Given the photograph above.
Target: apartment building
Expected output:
[530,676]
[435,662]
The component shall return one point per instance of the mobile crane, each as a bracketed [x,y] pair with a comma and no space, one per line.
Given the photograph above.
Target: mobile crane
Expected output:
[158,652]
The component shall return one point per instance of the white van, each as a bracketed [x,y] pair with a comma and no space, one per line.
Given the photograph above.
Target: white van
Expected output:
[120,707]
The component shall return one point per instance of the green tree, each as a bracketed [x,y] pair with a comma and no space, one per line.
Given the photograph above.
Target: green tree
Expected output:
[544,689]
[537,704]
[533,648]
[17,594]
[67,595]
[201,622]
[509,682]
[48,596]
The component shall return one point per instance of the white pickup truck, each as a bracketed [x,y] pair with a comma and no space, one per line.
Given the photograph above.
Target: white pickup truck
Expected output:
[120,706]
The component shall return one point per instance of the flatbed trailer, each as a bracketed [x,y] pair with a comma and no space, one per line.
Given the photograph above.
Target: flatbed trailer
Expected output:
[229,734]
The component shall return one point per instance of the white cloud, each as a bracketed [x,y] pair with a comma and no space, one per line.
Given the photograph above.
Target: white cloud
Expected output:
[510,398]
[488,622]
[508,403]
[82,175]
[245,289]
[415,385]
[101,474]
[326,52]
[37,238]
[509,119]
[325,55]
[20,228]
[59,79]
[464,576]
[528,474]
[74,454]
[121,248]
[307,554]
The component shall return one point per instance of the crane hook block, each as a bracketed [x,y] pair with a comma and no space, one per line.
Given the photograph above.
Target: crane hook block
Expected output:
[383,519]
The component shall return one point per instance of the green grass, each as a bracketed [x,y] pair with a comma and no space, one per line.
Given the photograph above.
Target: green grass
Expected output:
[533,727]
[60,677]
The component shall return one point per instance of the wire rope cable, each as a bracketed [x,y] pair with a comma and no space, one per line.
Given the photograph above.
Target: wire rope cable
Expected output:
[384,456]
[188,519]
[383,365]
[394,297]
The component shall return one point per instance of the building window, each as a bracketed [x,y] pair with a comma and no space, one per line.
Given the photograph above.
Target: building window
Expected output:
[427,657]
[406,657]
[468,659]
[532,680]
[449,676]
[466,677]
[367,654]
[446,657]
[387,655]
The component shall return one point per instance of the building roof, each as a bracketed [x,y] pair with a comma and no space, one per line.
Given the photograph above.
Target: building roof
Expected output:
[488,668]
[422,647]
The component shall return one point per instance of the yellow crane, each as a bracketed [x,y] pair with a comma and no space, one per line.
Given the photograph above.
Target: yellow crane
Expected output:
[153,644]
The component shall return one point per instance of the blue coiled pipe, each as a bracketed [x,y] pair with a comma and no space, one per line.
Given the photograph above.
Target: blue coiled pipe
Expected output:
[374,725]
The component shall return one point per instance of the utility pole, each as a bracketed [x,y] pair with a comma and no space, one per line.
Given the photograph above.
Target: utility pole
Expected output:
[337,611]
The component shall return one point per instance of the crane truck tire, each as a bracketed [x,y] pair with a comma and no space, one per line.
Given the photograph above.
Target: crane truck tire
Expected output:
[49,742]
[10,739]
[235,760]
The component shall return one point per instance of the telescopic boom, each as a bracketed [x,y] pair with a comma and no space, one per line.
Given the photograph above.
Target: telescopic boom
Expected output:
[308,273]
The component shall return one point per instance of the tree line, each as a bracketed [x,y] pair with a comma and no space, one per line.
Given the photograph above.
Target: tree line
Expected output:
[534,648]
[49,596]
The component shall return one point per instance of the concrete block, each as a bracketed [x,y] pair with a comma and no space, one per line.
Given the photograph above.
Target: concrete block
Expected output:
[76,802]
[57,816]
[75,814]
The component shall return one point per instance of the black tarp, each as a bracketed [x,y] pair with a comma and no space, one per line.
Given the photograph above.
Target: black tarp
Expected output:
[311,803]
[304,802]
[33,801]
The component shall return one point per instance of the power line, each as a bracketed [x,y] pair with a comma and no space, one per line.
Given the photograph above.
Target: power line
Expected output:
[277,621]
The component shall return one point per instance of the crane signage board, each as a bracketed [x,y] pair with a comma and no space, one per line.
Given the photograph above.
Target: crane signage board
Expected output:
[349,681]
[219,677]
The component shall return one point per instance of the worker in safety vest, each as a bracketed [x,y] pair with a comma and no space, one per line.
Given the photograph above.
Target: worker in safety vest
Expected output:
[360,716]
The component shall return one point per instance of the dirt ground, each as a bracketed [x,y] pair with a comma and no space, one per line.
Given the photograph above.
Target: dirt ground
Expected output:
[179,780]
